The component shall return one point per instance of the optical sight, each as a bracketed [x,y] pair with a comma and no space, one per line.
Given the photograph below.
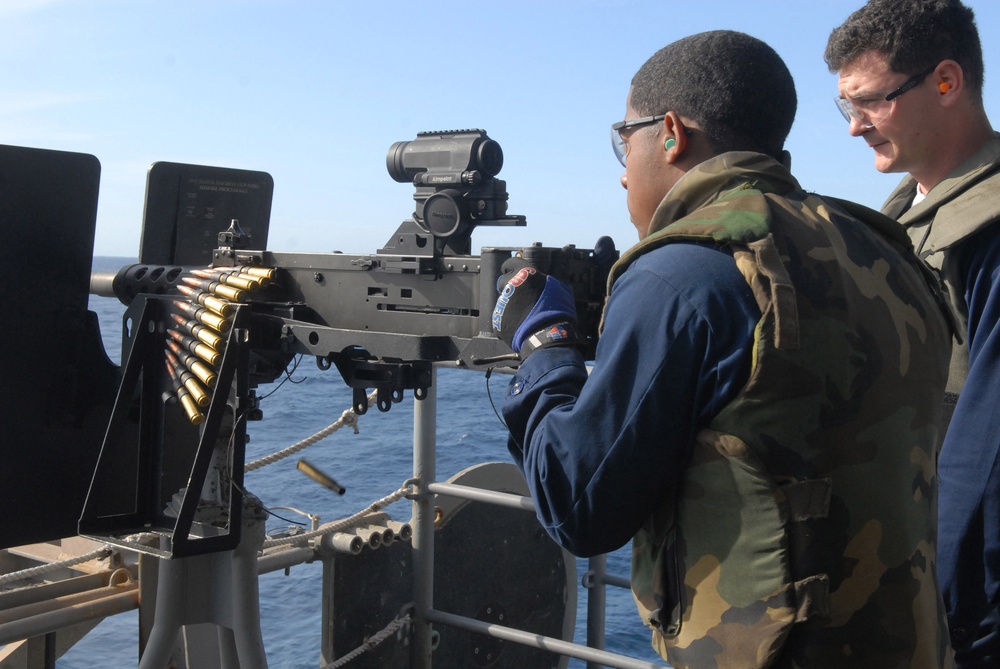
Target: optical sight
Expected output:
[455,157]
[453,172]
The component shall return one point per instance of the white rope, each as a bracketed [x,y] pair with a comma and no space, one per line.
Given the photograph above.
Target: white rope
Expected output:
[54,566]
[347,419]
[371,642]
[343,523]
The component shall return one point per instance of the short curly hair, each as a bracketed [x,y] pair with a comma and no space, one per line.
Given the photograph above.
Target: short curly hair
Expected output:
[913,35]
[734,86]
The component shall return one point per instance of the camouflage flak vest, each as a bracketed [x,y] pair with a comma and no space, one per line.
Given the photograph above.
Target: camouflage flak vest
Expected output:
[803,532]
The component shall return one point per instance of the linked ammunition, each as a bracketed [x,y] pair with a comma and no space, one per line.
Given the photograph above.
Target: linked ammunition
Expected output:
[203,351]
[261,272]
[220,290]
[200,332]
[207,300]
[200,396]
[236,281]
[203,315]
[229,279]
[187,403]
[193,365]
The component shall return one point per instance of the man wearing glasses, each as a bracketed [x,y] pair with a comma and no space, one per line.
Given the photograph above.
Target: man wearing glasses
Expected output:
[762,414]
[911,80]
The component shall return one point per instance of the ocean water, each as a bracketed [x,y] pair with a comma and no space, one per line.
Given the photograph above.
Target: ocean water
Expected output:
[370,465]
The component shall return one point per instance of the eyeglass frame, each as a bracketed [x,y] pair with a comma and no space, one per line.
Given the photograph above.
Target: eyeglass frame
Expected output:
[847,109]
[618,142]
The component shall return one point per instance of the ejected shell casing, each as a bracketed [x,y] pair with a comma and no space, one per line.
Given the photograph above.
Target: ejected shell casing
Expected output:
[198,394]
[228,292]
[320,477]
[187,402]
[229,278]
[200,332]
[207,300]
[193,365]
[203,351]
[206,317]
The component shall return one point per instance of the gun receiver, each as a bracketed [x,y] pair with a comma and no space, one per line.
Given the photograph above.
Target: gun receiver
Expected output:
[369,315]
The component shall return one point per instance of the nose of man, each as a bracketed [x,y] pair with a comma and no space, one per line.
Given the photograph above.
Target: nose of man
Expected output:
[855,129]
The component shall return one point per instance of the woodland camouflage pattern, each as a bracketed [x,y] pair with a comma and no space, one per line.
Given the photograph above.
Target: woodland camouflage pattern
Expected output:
[803,534]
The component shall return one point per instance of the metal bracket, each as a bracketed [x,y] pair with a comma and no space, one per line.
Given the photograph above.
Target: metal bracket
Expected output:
[141,451]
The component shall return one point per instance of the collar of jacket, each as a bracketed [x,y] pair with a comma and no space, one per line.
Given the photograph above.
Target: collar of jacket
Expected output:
[959,181]
[722,177]
[712,179]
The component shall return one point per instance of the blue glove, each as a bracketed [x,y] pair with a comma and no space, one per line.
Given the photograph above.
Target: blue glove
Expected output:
[605,255]
[534,310]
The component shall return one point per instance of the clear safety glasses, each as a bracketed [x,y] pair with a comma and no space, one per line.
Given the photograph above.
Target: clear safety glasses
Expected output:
[870,110]
[618,144]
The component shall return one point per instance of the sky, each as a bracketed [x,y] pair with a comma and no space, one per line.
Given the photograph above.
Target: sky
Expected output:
[314,93]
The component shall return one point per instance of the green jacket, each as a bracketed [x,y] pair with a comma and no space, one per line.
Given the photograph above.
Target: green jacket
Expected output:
[803,531]
[962,204]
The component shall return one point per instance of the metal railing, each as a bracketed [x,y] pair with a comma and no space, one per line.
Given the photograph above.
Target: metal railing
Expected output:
[424,454]
[43,610]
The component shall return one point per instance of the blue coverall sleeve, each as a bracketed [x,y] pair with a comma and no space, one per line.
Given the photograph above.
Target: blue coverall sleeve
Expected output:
[969,511]
[600,452]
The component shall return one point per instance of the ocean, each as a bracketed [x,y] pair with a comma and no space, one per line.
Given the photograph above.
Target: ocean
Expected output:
[370,465]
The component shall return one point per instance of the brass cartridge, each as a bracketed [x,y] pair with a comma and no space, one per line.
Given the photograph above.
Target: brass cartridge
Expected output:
[187,402]
[198,394]
[203,351]
[190,408]
[207,300]
[320,477]
[200,332]
[193,365]
[206,317]
[260,272]
[229,278]
[220,290]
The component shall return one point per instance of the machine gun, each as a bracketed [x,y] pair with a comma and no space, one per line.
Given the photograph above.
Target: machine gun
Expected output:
[201,338]
[421,299]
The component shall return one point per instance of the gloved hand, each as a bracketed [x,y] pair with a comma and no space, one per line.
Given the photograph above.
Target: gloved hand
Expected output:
[605,255]
[534,310]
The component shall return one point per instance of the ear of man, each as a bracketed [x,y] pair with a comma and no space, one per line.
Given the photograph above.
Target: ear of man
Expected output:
[677,136]
[949,80]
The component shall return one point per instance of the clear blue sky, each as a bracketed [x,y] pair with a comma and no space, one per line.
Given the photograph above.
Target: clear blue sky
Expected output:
[315,93]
